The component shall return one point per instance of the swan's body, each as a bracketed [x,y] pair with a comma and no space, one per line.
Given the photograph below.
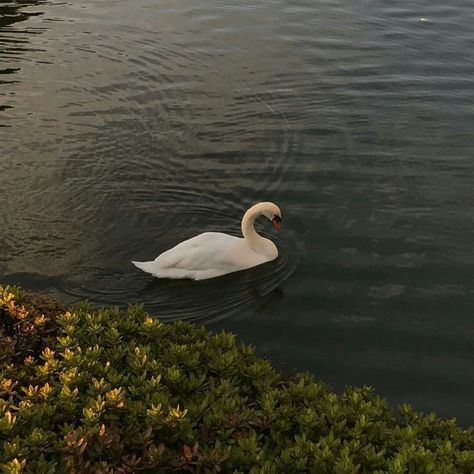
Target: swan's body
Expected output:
[213,254]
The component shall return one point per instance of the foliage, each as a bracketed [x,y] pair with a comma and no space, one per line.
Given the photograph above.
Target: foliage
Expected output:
[119,391]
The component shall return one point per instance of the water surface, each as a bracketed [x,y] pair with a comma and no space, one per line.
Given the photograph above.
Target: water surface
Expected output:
[129,126]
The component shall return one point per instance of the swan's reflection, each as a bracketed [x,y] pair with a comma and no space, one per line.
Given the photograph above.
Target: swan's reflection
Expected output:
[218,298]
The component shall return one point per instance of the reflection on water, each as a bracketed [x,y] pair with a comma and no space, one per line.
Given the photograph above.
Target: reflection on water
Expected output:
[14,12]
[128,128]
[14,43]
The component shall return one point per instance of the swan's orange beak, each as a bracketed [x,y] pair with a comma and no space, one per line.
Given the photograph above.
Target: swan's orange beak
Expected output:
[276,221]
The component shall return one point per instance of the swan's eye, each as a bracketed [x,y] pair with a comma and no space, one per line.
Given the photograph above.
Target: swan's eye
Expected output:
[276,221]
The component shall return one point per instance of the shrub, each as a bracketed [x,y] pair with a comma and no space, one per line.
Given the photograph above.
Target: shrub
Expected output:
[119,391]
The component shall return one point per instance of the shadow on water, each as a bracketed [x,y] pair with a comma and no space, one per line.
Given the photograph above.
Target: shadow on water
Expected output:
[14,40]
[212,300]
[11,12]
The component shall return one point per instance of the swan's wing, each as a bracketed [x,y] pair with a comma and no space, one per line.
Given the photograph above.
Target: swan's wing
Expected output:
[210,250]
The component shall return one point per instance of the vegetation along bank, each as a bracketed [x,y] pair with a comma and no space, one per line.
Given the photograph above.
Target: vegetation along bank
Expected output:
[112,391]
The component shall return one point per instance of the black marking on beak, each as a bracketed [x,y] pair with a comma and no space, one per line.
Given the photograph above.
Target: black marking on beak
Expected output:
[276,221]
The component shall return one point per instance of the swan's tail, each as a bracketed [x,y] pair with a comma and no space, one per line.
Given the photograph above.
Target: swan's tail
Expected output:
[145,266]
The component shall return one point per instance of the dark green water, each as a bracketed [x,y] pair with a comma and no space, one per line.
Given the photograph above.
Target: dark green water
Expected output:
[126,127]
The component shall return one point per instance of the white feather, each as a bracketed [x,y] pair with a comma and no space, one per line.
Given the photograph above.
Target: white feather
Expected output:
[213,254]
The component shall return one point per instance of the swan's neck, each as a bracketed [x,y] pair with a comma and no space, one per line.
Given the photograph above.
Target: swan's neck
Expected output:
[248,229]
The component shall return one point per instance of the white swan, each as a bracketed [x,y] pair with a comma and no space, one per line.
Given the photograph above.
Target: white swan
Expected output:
[213,254]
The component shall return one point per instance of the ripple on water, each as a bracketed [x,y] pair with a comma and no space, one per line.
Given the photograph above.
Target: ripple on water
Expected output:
[176,157]
[204,301]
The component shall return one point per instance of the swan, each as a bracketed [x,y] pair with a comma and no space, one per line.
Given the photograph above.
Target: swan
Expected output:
[212,254]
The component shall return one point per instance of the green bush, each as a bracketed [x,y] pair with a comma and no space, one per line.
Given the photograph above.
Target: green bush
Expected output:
[110,391]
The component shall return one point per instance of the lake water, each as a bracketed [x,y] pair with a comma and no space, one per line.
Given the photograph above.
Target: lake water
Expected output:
[126,127]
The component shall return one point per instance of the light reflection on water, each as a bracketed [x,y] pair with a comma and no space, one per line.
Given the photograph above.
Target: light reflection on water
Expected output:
[129,127]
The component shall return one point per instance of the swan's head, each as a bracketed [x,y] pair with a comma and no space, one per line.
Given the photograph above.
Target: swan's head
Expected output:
[272,212]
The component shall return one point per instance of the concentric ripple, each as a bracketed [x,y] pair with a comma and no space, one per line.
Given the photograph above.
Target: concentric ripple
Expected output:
[207,301]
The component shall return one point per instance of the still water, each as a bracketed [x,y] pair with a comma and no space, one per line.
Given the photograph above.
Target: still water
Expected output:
[126,127]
